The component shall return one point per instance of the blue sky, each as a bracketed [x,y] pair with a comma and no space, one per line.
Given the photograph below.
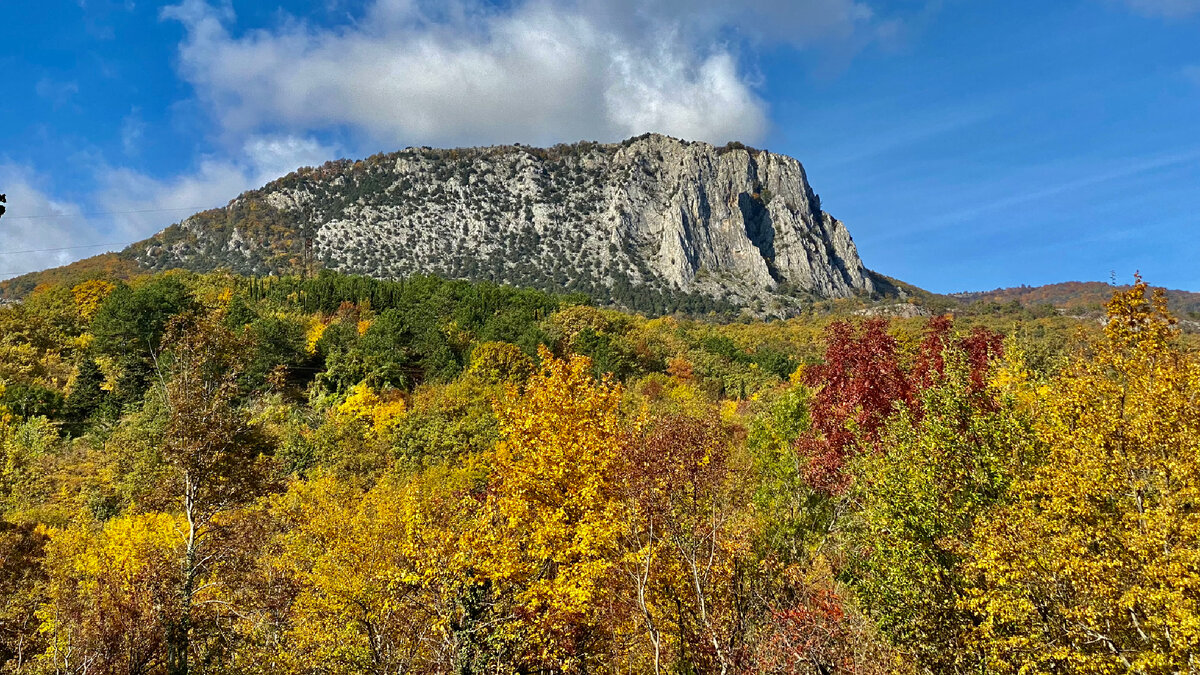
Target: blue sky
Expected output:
[967,145]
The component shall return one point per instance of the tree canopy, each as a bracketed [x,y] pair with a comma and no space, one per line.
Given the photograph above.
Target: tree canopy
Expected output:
[220,474]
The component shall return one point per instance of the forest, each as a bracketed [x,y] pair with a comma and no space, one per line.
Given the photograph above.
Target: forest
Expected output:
[208,473]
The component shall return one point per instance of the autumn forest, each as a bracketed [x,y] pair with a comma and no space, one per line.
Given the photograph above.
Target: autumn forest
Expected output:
[206,473]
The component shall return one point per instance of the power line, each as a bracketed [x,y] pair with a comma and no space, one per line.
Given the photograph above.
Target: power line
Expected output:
[104,213]
[11,274]
[63,248]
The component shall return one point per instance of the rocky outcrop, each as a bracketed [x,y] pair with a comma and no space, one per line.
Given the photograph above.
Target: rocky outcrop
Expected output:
[651,215]
[900,310]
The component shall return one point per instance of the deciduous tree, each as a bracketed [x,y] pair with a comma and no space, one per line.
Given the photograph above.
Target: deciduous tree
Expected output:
[1093,567]
[214,454]
[556,511]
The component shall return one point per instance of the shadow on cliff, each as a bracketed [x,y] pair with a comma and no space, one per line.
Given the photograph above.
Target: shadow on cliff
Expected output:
[760,230]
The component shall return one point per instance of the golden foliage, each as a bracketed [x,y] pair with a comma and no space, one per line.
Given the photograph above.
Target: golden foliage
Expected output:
[378,573]
[1093,568]
[554,507]
[110,593]
[316,330]
[383,411]
[90,294]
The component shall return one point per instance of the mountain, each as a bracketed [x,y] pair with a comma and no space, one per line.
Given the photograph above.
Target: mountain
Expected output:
[650,223]
[1075,297]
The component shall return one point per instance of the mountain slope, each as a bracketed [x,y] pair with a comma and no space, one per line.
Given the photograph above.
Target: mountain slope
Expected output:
[1075,296]
[649,218]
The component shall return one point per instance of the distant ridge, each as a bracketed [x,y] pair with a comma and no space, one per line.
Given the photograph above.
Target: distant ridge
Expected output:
[1075,296]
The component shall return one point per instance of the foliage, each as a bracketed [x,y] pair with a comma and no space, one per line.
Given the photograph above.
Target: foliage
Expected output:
[90,294]
[498,362]
[917,503]
[683,544]
[22,591]
[857,388]
[336,474]
[555,510]
[383,579]
[129,326]
[1091,569]
[213,456]
[111,594]
[381,411]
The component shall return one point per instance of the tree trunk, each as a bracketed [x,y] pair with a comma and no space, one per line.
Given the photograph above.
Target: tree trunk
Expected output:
[179,632]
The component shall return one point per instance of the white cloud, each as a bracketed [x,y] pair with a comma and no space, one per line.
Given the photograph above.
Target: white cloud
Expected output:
[1166,8]
[140,205]
[35,221]
[132,130]
[466,72]
[129,205]
[270,157]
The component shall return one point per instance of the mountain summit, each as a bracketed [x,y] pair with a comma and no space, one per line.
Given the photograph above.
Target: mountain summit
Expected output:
[636,223]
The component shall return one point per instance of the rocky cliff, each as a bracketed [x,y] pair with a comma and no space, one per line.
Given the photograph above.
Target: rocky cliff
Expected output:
[651,217]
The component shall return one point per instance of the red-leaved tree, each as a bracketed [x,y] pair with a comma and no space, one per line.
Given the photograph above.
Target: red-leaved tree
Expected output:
[864,380]
[856,389]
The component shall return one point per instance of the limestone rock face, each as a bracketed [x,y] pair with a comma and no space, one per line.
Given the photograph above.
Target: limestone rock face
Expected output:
[651,215]
[748,218]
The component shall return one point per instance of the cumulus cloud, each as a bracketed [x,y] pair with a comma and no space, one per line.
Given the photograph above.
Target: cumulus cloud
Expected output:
[36,221]
[129,205]
[467,72]
[141,205]
[1165,8]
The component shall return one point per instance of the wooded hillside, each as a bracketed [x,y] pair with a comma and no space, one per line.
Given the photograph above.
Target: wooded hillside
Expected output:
[218,474]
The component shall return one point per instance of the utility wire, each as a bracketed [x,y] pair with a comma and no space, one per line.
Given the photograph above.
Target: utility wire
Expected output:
[104,213]
[63,248]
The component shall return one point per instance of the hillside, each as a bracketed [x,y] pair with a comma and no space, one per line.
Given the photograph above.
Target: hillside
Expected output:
[103,266]
[652,223]
[436,476]
[1075,297]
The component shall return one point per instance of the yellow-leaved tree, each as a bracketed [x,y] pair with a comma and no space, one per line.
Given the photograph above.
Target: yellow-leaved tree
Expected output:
[111,594]
[89,295]
[383,578]
[382,411]
[1094,567]
[555,513]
